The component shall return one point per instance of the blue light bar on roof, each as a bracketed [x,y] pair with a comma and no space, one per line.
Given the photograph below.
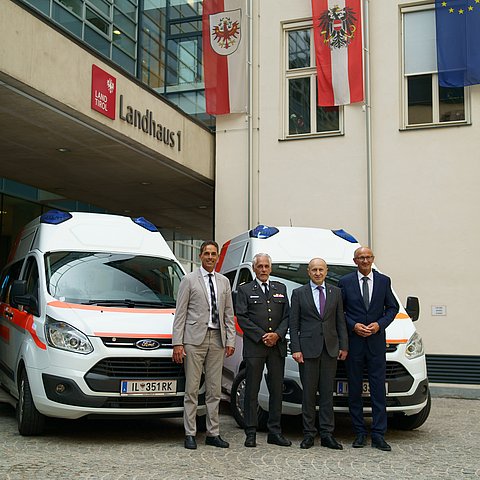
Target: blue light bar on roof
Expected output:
[263,231]
[145,224]
[345,235]
[54,217]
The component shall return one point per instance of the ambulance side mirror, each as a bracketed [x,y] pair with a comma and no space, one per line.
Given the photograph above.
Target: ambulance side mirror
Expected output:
[413,308]
[19,297]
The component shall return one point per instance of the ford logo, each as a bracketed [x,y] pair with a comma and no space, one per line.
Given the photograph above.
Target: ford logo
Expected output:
[147,344]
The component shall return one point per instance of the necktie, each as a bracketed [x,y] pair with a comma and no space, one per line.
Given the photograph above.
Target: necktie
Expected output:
[365,292]
[213,300]
[321,298]
[265,289]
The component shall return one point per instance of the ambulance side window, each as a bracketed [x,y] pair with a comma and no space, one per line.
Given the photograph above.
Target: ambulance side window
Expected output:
[32,278]
[245,276]
[231,277]
[10,274]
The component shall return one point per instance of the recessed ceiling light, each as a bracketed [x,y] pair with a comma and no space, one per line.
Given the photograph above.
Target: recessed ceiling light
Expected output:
[145,183]
[63,150]
[117,32]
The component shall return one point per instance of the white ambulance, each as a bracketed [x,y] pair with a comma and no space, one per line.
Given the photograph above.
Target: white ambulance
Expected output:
[291,248]
[86,311]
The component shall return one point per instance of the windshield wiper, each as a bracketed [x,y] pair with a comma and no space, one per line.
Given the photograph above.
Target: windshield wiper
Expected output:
[129,303]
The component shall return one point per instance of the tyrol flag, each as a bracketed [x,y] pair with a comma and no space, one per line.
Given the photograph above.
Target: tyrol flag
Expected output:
[458,42]
[337,30]
[225,56]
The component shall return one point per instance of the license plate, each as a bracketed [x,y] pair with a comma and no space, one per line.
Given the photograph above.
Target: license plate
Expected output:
[148,387]
[342,388]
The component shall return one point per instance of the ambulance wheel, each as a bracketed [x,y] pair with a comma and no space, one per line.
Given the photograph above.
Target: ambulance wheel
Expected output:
[410,422]
[30,421]
[201,423]
[237,401]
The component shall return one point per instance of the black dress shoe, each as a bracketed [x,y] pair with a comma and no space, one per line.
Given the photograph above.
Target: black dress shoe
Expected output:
[190,442]
[381,444]
[360,441]
[330,442]
[216,442]
[278,439]
[251,440]
[307,442]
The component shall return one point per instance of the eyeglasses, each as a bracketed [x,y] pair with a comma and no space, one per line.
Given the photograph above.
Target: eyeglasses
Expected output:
[367,258]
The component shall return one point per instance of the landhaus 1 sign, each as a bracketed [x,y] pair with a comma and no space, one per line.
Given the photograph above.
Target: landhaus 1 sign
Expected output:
[144,121]
[104,101]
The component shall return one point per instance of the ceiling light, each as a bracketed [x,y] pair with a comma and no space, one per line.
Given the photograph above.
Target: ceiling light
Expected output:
[145,183]
[117,32]
[63,150]
[202,207]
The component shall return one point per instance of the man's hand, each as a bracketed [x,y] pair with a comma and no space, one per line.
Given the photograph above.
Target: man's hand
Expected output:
[178,353]
[362,330]
[342,354]
[270,339]
[298,357]
[373,327]
[229,351]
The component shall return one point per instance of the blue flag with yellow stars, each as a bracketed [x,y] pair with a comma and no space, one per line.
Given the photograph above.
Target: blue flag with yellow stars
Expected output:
[458,42]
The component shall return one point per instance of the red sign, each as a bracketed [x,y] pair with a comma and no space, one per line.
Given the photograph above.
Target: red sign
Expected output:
[103,92]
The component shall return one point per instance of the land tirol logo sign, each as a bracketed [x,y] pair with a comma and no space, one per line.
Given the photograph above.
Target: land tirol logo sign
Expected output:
[104,89]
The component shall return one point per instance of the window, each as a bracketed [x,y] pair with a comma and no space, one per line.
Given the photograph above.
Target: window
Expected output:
[31,276]
[426,103]
[302,116]
[9,275]
[244,276]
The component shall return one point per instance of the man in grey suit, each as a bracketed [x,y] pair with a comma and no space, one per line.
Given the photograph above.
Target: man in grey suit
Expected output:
[318,335]
[203,333]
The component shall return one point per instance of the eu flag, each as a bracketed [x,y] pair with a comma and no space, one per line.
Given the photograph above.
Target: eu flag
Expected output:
[458,42]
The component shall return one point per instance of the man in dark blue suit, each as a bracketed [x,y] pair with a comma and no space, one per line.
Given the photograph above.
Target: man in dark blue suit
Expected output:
[369,306]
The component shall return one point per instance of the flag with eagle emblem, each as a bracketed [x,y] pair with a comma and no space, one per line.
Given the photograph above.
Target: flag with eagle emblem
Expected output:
[458,42]
[337,30]
[225,56]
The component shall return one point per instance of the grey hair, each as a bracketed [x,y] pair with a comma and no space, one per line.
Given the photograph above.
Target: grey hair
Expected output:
[260,255]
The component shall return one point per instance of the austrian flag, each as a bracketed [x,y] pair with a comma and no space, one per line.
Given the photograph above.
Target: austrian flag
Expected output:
[337,30]
[225,56]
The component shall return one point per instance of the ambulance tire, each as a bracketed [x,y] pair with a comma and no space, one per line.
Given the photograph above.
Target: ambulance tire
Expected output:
[29,420]
[237,398]
[410,422]
[201,423]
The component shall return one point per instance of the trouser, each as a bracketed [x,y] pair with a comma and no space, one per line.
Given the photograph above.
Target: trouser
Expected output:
[254,369]
[204,358]
[376,367]
[317,375]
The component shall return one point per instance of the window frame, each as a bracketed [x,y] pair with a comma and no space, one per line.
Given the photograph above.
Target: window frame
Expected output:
[404,125]
[297,73]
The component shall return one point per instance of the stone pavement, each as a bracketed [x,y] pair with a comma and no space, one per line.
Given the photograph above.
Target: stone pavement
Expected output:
[447,446]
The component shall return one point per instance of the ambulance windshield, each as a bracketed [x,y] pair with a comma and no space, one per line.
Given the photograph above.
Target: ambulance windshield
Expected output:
[112,279]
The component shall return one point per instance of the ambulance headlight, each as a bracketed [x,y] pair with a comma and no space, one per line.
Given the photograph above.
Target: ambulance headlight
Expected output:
[65,337]
[414,347]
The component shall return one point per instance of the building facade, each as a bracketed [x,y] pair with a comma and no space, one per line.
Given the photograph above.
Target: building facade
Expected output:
[398,172]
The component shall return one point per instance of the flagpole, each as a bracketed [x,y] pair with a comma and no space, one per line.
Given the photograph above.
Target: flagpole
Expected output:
[249,115]
[368,123]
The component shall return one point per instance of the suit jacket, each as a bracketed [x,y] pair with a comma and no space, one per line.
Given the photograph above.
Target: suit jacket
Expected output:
[382,309]
[257,315]
[309,332]
[193,310]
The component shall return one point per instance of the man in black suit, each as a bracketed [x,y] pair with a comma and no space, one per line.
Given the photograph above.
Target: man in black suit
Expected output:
[370,307]
[318,337]
[262,312]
